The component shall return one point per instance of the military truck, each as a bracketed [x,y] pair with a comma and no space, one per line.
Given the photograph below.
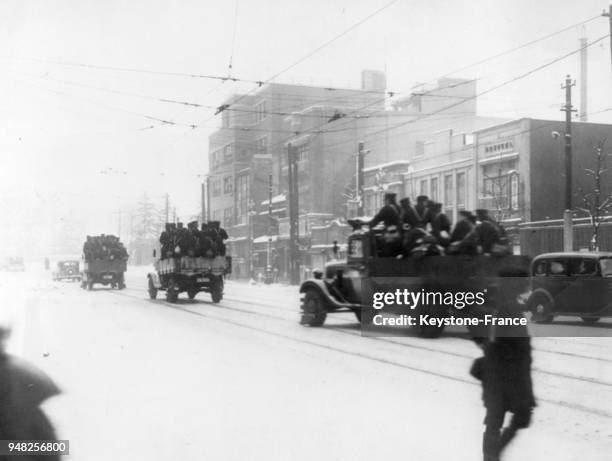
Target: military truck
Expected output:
[107,272]
[189,274]
[348,285]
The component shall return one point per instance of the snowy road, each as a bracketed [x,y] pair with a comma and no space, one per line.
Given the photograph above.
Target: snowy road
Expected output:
[242,380]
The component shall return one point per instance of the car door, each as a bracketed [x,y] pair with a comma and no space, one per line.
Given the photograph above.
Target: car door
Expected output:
[558,282]
[584,284]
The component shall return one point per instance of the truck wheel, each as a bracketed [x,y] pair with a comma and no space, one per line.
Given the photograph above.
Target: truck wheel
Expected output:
[541,309]
[216,295]
[192,293]
[152,290]
[216,289]
[358,314]
[171,292]
[313,309]
[121,286]
[89,285]
[590,320]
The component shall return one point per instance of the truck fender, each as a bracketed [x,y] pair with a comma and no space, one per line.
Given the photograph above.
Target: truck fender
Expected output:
[155,278]
[321,287]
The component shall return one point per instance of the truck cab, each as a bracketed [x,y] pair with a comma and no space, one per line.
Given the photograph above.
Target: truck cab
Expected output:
[348,285]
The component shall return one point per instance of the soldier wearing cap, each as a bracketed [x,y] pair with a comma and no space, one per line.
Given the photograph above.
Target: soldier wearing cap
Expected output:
[389,215]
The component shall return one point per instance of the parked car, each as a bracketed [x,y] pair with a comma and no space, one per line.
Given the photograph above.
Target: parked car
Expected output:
[67,270]
[571,284]
[14,264]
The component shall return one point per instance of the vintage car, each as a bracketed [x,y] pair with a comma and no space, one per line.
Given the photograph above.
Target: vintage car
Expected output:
[571,284]
[14,264]
[67,270]
[348,285]
[191,275]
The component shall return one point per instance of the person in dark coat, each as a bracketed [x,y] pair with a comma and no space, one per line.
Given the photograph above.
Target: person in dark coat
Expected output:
[389,214]
[390,244]
[440,225]
[421,210]
[463,238]
[487,232]
[23,389]
[165,239]
[205,243]
[180,243]
[408,215]
[504,371]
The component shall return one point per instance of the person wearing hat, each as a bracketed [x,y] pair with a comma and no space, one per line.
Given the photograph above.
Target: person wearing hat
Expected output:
[205,243]
[408,216]
[440,225]
[463,237]
[389,215]
[487,232]
[422,210]
[165,240]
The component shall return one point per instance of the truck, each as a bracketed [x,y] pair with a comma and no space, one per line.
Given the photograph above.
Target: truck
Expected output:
[189,274]
[105,271]
[348,285]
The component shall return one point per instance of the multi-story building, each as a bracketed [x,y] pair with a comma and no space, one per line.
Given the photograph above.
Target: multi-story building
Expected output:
[248,153]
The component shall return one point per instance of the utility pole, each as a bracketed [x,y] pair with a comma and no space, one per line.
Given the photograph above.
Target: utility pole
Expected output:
[167,207]
[568,234]
[360,162]
[583,77]
[294,257]
[203,199]
[269,221]
[608,14]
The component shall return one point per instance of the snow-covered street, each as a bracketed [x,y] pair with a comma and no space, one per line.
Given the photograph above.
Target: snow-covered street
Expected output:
[242,380]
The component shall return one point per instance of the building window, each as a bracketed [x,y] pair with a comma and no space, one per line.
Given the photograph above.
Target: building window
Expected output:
[228,185]
[514,192]
[434,189]
[227,217]
[217,215]
[216,188]
[260,111]
[228,153]
[242,199]
[301,152]
[461,191]
[216,158]
[448,191]
[423,187]
[261,146]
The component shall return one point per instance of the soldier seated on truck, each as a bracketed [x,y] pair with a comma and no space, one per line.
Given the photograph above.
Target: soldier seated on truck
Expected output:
[391,239]
[205,242]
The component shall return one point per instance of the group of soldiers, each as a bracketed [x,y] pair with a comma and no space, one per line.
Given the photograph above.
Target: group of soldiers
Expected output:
[103,247]
[423,229]
[208,241]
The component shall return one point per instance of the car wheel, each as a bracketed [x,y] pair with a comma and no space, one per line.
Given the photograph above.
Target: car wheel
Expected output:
[313,309]
[590,320]
[89,286]
[358,314]
[541,309]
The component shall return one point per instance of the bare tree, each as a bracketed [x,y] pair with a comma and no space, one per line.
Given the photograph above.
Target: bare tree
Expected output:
[596,204]
[150,219]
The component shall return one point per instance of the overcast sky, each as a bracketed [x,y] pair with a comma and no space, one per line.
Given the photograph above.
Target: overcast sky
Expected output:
[77,144]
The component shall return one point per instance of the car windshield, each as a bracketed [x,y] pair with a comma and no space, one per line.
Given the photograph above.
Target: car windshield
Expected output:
[355,249]
[606,267]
